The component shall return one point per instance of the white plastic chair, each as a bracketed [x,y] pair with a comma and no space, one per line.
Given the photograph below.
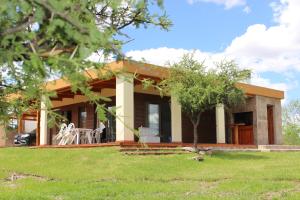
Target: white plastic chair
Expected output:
[69,136]
[57,138]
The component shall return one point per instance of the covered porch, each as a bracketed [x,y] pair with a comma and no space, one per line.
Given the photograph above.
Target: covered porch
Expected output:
[160,119]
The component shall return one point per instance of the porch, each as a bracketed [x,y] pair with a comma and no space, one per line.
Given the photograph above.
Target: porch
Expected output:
[254,123]
[137,109]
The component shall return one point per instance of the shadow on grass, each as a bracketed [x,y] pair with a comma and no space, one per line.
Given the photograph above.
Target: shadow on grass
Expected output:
[240,156]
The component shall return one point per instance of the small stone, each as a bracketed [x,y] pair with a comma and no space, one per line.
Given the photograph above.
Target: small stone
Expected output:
[198,158]
[189,149]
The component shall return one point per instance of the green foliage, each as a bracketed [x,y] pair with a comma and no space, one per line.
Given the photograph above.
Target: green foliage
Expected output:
[291,113]
[291,134]
[291,122]
[41,40]
[198,88]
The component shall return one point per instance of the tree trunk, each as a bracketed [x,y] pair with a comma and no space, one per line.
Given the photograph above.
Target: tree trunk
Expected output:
[195,123]
[195,136]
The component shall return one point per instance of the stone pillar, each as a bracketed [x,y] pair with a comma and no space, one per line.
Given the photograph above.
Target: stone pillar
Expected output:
[124,108]
[220,124]
[43,122]
[176,120]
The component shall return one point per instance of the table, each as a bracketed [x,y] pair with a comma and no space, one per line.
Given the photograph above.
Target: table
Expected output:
[83,131]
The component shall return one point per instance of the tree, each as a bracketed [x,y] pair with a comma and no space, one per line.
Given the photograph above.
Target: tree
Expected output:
[41,40]
[291,122]
[197,88]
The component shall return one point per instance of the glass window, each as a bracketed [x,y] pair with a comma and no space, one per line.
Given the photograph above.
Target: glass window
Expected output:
[82,115]
[153,117]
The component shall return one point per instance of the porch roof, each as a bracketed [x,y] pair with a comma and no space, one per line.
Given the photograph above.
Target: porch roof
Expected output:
[156,72]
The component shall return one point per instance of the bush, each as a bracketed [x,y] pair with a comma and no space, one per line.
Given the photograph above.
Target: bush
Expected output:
[291,134]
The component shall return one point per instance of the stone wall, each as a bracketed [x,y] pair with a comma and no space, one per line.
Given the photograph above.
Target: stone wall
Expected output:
[258,105]
[262,121]
[249,106]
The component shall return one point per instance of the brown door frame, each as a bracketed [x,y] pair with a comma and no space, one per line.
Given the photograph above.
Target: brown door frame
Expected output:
[270,118]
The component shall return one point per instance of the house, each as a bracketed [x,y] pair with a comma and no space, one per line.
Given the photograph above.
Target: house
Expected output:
[256,122]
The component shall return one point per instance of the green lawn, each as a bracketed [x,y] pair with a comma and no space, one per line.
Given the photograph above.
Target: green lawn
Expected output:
[104,173]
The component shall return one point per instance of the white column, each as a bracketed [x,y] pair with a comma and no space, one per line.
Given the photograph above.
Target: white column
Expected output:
[2,135]
[220,124]
[43,122]
[124,108]
[176,120]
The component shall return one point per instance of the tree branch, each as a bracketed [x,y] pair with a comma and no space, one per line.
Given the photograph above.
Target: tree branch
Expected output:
[44,4]
[19,27]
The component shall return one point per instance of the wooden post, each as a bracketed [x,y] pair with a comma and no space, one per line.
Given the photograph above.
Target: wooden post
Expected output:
[20,125]
[236,134]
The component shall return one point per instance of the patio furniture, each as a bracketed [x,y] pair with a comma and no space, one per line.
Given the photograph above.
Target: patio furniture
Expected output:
[57,138]
[69,135]
[96,135]
[83,136]
[148,135]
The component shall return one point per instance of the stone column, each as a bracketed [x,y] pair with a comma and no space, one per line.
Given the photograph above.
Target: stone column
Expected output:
[43,122]
[220,123]
[124,108]
[176,121]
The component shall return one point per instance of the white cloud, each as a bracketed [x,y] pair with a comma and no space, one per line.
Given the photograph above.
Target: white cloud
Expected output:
[260,48]
[256,79]
[275,48]
[247,10]
[227,3]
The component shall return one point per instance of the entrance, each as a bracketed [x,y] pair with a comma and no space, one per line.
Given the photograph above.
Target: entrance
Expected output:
[270,117]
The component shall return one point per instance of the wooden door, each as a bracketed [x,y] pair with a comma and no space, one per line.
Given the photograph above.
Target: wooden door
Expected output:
[245,135]
[270,111]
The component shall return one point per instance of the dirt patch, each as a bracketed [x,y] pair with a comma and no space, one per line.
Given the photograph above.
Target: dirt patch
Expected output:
[17,176]
[281,193]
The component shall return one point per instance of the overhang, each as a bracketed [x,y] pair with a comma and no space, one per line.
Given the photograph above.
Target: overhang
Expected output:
[157,72]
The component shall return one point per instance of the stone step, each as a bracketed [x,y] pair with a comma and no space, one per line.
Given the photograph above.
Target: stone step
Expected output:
[151,149]
[280,150]
[145,153]
[262,147]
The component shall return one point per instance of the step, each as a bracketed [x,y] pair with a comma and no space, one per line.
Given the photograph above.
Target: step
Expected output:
[150,149]
[280,150]
[278,147]
[153,153]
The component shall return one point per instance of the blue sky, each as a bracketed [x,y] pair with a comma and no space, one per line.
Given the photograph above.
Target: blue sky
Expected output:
[261,35]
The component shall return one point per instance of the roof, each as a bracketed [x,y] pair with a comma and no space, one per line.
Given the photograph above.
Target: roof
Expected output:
[159,72]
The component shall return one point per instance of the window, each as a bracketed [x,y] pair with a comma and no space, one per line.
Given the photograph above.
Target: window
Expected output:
[82,116]
[153,117]
[67,115]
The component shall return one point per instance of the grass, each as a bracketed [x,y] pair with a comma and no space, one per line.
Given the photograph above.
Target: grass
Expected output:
[105,173]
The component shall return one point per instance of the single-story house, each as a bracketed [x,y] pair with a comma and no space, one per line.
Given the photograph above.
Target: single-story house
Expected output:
[256,122]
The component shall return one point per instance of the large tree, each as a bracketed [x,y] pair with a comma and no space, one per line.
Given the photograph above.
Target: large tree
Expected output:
[44,39]
[197,88]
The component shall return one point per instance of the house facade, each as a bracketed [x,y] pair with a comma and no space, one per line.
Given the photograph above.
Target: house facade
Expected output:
[256,122]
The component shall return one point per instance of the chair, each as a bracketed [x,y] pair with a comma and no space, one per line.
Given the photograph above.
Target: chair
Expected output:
[86,136]
[96,135]
[69,136]
[57,138]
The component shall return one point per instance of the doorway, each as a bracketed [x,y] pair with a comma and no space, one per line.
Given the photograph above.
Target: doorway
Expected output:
[270,118]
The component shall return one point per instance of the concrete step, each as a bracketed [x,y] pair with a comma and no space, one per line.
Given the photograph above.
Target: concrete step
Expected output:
[274,147]
[150,149]
[280,150]
[145,153]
